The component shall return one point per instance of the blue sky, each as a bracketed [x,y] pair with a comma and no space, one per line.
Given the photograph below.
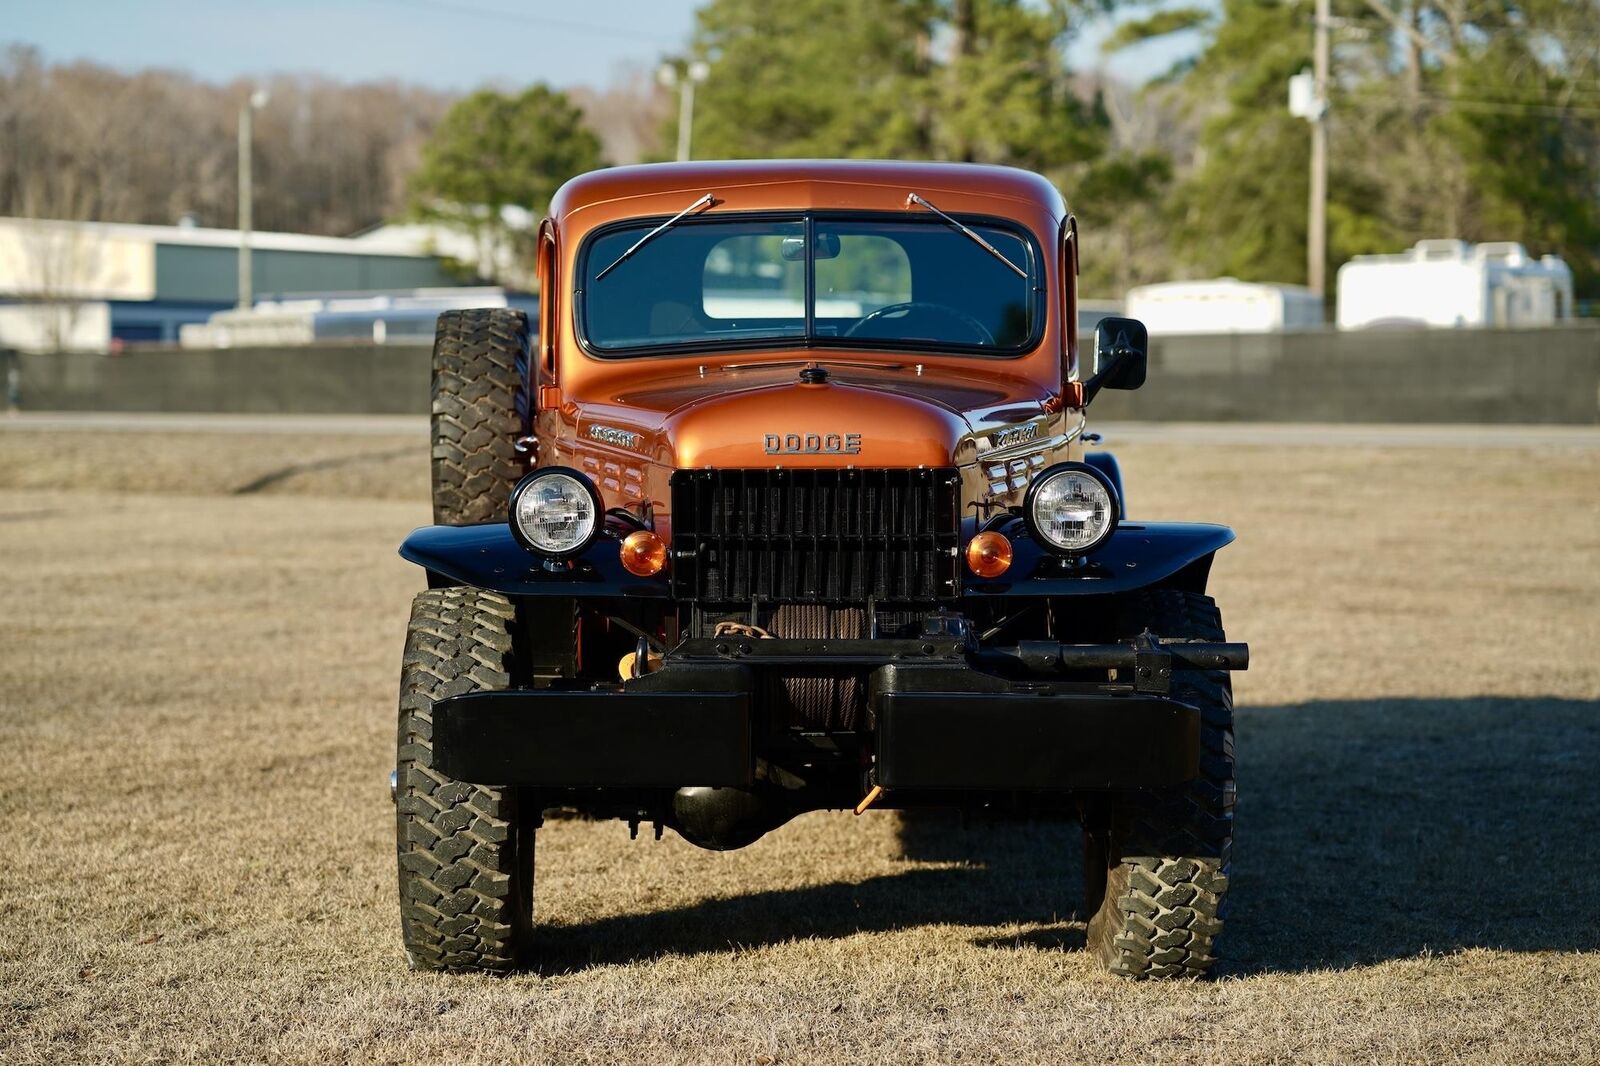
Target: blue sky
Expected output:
[448,44]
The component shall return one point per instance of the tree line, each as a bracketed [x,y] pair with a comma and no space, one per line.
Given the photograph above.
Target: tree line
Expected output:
[82,141]
[1477,119]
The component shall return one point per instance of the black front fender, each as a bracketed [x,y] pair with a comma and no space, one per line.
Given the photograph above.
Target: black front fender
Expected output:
[1137,555]
[1107,464]
[489,557]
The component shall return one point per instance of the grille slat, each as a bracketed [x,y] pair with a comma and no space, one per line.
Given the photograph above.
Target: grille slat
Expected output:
[815,536]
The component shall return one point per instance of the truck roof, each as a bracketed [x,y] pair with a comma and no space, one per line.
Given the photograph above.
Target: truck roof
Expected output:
[858,184]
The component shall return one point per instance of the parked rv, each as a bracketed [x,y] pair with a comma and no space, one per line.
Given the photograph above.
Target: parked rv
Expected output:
[1224,305]
[1453,283]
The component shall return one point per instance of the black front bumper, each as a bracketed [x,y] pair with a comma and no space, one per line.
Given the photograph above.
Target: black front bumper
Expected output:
[949,729]
[937,722]
[690,725]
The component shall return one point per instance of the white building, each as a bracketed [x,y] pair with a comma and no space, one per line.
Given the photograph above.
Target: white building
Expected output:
[1452,283]
[1224,305]
[484,250]
[88,285]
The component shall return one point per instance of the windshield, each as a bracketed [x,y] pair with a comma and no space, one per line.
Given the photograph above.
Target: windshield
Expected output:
[710,283]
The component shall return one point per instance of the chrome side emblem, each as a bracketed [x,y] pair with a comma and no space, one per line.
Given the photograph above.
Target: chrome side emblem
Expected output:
[1004,438]
[622,438]
[812,443]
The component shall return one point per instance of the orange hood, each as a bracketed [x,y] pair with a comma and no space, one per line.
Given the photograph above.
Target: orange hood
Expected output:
[765,416]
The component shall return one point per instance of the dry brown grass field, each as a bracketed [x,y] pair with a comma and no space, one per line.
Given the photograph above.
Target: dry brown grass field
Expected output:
[196,719]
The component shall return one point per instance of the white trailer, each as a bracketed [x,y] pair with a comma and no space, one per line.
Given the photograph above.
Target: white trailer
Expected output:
[1451,283]
[1224,305]
[56,326]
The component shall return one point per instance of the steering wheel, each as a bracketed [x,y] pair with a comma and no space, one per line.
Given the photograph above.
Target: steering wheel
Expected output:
[910,308]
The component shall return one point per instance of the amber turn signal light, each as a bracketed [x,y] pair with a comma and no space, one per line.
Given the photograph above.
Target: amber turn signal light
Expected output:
[645,554]
[989,554]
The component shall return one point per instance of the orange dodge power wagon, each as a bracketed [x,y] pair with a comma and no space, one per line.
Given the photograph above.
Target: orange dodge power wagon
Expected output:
[783,505]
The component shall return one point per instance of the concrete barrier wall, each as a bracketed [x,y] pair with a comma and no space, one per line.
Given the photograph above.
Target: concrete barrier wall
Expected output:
[1526,375]
[324,379]
[1536,375]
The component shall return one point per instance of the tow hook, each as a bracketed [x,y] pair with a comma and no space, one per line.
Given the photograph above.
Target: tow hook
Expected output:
[868,800]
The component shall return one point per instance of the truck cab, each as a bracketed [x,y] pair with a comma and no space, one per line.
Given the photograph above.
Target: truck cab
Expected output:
[927,340]
[783,504]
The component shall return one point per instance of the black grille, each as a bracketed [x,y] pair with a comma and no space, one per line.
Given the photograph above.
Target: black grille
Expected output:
[815,536]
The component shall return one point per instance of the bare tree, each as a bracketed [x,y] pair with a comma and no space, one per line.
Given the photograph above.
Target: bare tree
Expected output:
[156,145]
[628,115]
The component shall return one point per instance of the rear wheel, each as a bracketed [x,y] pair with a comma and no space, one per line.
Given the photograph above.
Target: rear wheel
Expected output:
[465,851]
[1156,863]
[480,407]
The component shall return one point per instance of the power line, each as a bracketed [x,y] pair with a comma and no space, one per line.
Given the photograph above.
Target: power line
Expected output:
[543,21]
[1506,107]
[1490,108]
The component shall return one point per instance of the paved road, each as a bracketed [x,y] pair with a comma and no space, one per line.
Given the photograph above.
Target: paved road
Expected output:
[1410,435]
[117,422]
[1274,434]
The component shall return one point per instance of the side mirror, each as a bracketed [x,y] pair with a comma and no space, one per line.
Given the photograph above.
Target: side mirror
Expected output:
[1121,353]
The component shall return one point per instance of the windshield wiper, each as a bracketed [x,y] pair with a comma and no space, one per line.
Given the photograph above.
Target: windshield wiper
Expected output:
[705,201]
[968,230]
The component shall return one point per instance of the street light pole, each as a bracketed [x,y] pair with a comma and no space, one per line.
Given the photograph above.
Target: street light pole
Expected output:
[693,75]
[258,100]
[1317,223]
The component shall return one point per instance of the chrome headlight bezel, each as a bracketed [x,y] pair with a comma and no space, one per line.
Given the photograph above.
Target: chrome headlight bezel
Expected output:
[584,483]
[1113,508]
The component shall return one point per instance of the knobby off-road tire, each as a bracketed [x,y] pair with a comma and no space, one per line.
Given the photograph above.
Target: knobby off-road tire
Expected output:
[465,851]
[480,407]
[1156,865]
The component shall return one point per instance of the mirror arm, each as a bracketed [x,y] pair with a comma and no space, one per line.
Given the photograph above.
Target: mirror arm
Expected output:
[1098,380]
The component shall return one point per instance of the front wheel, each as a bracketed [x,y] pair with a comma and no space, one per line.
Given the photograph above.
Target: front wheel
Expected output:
[1156,863]
[465,851]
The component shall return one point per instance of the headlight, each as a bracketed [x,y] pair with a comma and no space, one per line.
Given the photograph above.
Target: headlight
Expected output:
[555,511]
[1071,508]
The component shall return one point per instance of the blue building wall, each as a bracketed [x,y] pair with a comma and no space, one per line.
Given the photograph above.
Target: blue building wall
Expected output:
[158,321]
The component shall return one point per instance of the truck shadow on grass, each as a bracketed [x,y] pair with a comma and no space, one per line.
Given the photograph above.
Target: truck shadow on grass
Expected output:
[1011,877]
[1367,830]
[1384,829]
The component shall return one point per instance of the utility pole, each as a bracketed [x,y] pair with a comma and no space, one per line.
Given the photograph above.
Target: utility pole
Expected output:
[258,100]
[1317,228]
[695,73]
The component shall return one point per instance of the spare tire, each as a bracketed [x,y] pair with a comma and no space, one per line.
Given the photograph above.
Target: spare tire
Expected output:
[480,408]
